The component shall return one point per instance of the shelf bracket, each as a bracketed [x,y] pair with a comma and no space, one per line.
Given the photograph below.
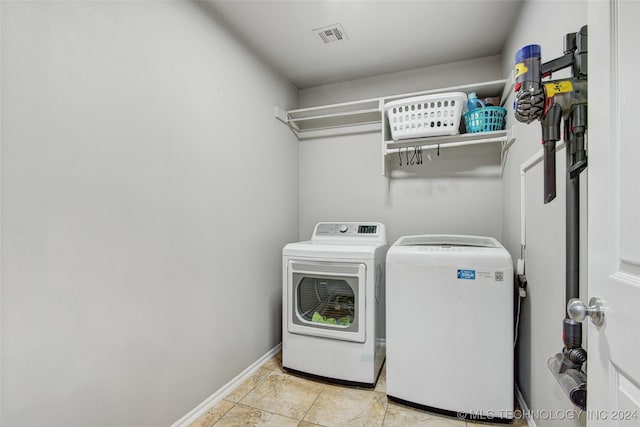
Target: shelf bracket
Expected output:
[506,144]
[281,115]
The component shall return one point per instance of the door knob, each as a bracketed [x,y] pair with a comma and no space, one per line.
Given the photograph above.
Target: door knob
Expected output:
[577,310]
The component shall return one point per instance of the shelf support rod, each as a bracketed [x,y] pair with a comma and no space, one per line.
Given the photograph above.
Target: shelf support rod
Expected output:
[328,116]
[510,139]
[447,144]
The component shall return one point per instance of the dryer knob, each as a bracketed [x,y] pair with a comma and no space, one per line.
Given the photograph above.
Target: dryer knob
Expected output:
[344,228]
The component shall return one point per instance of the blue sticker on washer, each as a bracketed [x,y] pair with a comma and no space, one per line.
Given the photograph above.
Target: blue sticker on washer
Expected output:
[467,274]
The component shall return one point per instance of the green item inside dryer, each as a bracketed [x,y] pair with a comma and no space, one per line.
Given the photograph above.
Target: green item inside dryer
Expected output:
[319,318]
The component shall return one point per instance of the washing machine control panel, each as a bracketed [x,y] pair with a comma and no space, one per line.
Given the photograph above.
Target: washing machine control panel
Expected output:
[350,229]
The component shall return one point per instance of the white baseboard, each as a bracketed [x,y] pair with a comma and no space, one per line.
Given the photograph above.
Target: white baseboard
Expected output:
[216,397]
[525,408]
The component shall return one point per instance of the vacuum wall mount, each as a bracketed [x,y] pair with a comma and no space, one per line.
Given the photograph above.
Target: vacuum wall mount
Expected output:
[550,102]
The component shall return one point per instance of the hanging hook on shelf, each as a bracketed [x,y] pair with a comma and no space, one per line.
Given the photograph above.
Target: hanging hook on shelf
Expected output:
[400,155]
[438,150]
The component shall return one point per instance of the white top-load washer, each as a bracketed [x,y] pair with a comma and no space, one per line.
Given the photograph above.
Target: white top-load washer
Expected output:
[333,303]
[450,325]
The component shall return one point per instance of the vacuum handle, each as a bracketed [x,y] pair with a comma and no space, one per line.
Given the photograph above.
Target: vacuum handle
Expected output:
[549,162]
[550,134]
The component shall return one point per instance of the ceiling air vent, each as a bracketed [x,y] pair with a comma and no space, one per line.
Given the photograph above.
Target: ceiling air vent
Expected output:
[331,33]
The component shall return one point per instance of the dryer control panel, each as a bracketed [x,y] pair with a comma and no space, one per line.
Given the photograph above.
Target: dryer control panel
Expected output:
[349,230]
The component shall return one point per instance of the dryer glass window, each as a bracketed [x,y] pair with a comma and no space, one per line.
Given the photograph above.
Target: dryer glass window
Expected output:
[326,301]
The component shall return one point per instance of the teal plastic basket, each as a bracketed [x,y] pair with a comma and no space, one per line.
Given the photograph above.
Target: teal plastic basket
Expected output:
[485,119]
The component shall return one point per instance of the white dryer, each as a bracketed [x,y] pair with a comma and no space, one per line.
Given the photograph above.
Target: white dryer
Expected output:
[450,325]
[333,303]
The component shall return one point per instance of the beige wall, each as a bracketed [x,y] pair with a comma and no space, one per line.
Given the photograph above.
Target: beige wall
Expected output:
[147,192]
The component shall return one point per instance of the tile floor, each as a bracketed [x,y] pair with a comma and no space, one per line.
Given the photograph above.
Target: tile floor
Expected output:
[271,397]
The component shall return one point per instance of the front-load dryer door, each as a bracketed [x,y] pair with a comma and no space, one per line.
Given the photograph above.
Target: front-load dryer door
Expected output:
[326,299]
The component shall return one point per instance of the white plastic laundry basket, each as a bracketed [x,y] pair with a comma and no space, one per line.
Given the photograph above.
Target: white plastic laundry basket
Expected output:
[427,115]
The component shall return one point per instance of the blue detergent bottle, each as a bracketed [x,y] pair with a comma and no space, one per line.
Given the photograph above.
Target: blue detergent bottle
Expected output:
[473,102]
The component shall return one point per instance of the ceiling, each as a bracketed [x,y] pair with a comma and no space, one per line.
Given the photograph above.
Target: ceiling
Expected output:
[382,36]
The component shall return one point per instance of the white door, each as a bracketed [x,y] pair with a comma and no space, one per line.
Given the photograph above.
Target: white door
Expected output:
[613,390]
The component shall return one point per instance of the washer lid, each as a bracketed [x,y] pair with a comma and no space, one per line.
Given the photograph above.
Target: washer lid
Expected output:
[448,240]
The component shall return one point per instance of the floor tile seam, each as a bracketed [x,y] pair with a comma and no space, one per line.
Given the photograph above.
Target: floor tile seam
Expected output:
[253,388]
[269,412]
[385,401]
[315,424]
[369,401]
[237,387]
[373,399]
[225,412]
[257,384]
[386,408]
[275,374]
[311,406]
[363,415]
[384,418]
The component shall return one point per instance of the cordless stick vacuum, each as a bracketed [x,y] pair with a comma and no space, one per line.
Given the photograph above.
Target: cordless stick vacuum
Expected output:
[553,100]
[550,101]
